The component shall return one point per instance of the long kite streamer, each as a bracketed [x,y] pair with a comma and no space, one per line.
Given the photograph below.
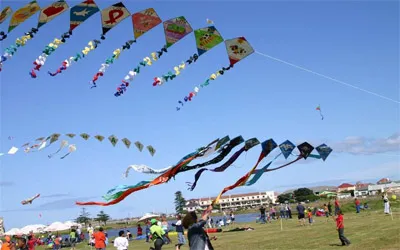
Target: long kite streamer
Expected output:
[144,169]
[110,17]
[46,15]
[19,16]
[211,148]
[206,39]
[125,191]
[267,147]
[143,22]
[238,49]
[248,145]
[175,29]
[223,153]
[78,14]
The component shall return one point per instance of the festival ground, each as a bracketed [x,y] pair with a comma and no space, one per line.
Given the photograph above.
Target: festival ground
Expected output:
[368,230]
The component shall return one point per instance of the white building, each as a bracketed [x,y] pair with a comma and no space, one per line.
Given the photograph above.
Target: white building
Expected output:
[234,201]
[378,188]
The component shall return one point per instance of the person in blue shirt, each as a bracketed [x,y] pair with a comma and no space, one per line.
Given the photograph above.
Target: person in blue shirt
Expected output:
[179,229]
[147,232]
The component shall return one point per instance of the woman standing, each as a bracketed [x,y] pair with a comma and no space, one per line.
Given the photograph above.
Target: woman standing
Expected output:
[180,231]
[386,204]
[164,226]
[198,238]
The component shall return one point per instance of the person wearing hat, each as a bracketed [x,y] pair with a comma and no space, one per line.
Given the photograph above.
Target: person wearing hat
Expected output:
[157,235]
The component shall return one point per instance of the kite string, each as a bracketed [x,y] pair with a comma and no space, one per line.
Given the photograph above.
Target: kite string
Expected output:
[327,77]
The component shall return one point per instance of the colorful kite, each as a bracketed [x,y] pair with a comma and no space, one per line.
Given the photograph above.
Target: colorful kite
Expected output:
[143,22]
[110,17]
[206,39]
[78,14]
[19,16]
[46,15]
[71,149]
[4,14]
[175,29]
[30,200]
[320,112]
[63,144]
[238,49]
[44,142]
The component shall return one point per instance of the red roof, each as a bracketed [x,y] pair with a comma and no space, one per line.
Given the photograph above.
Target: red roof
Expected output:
[383,181]
[346,185]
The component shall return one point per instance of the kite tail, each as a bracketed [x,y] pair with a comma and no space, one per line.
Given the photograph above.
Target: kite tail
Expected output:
[177,69]
[92,45]
[3,35]
[222,168]
[19,42]
[260,172]
[118,197]
[49,49]
[111,60]
[65,155]
[196,89]
[154,56]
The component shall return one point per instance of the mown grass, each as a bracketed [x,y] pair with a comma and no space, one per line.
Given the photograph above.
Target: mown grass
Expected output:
[368,230]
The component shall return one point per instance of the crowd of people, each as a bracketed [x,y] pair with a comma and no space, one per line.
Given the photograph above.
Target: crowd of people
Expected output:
[156,231]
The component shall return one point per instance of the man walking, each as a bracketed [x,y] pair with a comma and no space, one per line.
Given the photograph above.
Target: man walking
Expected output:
[300,210]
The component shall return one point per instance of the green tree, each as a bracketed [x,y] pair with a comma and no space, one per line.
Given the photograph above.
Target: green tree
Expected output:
[84,217]
[180,202]
[285,197]
[304,194]
[102,217]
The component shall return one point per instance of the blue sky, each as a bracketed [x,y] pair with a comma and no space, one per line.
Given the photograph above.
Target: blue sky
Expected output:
[356,42]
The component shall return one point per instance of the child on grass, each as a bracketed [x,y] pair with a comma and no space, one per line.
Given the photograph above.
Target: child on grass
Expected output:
[340,228]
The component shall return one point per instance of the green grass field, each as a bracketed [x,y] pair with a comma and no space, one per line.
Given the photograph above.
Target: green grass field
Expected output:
[368,230]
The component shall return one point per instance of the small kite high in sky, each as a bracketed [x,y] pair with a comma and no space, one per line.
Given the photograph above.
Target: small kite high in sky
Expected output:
[320,112]
[30,200]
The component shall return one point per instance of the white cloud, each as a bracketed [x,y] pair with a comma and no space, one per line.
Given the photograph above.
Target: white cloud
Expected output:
[359,145]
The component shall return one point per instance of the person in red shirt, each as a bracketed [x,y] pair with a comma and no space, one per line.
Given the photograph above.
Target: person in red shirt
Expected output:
[357,202]
[139,230]
[32,241]
[340,228]
[99,239]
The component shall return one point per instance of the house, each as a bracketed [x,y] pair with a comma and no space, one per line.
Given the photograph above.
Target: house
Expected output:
[379,188]
[346,187]
[234,201]
[361,191]
[344,195]
[383,181]
[327,194]
[192,205]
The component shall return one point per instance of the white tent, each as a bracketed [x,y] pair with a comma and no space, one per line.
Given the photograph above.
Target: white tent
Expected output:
[148,216]
[71,224]
[56,226]
[13,231]
[34,228]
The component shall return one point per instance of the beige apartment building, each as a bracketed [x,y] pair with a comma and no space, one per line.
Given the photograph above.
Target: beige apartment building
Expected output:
[234,201]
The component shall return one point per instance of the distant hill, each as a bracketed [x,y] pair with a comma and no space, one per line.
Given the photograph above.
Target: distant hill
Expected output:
[315,189]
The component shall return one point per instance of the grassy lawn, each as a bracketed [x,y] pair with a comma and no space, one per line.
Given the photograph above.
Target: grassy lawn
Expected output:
[368,230]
